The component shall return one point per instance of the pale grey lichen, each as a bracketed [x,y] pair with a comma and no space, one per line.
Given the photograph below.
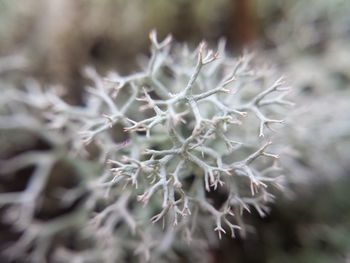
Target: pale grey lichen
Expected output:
[176,151]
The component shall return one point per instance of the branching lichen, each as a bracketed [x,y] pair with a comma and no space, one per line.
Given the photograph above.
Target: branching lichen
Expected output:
[166,141]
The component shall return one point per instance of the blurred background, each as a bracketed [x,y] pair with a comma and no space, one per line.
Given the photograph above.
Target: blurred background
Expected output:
[309,40]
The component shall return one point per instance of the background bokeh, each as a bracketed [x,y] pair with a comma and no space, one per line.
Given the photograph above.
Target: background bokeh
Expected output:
[309,40]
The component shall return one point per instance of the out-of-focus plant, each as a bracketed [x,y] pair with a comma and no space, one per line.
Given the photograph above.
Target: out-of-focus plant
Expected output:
[318,64]
[169,155]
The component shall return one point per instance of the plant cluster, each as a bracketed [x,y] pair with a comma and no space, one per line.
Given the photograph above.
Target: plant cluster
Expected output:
[152,159]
